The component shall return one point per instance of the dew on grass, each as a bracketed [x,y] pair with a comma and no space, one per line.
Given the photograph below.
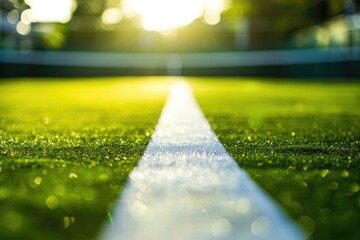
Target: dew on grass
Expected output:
[104,177]
[290,170]
[354,187]
[68,221]
[344,174]
[38,180]
[73,175]
[52,202]
[324,173]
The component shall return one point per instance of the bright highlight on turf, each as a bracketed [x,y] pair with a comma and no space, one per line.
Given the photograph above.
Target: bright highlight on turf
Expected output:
[187,186]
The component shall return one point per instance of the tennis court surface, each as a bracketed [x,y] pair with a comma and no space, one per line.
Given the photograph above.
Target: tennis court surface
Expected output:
[67,148]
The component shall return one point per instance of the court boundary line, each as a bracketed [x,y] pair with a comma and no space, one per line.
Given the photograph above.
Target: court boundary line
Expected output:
[187,179]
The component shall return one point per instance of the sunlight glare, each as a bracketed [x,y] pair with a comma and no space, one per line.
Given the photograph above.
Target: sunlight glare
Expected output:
[51,11]
[165,15]
[112,16]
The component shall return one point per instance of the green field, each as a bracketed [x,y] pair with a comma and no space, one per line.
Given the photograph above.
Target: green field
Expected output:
[299,140]
[67,146]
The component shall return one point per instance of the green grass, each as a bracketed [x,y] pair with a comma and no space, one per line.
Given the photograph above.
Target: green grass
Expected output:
[299,141]
[66,149]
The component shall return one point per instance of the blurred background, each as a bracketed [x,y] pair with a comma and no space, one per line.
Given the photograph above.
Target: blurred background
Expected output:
[282,38]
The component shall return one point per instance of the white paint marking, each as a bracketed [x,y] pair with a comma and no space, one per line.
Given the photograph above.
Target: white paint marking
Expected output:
[187,186]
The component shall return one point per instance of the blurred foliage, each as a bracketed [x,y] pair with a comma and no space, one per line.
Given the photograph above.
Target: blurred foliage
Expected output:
[271,23]
[285,16]
[299,141]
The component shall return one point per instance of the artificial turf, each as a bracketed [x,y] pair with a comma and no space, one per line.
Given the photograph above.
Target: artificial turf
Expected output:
[66,149]
[299,140]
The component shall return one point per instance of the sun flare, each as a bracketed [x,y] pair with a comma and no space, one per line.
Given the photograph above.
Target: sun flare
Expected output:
[165,15]
[51,11]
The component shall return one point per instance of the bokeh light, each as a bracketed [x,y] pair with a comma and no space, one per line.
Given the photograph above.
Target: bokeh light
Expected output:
[112,16]
[51,11]
[165,15]
[13,16]
[23,28]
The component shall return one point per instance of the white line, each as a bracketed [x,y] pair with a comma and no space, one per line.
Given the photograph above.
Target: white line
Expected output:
[186,186]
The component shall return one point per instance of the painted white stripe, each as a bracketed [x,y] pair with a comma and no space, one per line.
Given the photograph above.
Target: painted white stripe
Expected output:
[187,186]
